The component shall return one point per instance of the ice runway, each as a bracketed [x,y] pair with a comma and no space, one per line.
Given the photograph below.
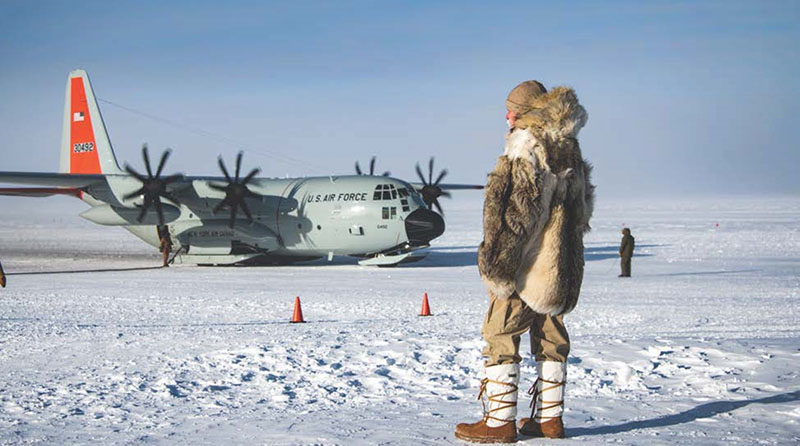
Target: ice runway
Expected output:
[701,346]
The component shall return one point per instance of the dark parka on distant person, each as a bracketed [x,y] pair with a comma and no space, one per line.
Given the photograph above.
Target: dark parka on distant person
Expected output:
[626,252]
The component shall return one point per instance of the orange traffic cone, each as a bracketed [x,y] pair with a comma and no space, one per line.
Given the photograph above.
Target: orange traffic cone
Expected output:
[426,309]
[297,316]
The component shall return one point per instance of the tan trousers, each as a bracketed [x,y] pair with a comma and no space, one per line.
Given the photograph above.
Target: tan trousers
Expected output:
[508,319]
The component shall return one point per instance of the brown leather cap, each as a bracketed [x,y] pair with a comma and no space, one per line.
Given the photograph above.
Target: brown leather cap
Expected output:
[520,100]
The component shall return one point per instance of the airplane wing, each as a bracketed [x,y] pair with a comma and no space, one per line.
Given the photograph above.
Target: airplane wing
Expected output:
[445,186]
[53,179]
[98,185]
[72,184]
[39,191]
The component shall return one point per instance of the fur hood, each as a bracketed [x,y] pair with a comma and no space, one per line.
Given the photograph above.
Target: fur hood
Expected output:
[555,115]
[537,206]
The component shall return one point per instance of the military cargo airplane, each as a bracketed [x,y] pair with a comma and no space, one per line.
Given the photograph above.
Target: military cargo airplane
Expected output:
[381,220]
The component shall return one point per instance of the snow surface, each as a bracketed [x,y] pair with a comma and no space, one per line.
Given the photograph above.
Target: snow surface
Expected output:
[701,346]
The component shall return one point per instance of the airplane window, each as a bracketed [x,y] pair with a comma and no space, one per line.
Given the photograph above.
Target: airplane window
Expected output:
[394,193]
[403,192]
[394,212]
[387,195]
[376,195]
[385,213]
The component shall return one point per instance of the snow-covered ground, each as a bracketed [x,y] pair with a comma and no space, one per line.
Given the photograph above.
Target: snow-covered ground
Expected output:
[701,346]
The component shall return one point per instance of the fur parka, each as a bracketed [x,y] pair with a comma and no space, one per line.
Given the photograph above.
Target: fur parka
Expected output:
[537,206]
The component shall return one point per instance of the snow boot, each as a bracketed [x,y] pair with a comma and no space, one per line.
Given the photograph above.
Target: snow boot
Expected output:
[500,414]
[547,402]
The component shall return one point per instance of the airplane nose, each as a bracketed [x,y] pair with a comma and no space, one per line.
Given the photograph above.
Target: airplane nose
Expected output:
[423,225]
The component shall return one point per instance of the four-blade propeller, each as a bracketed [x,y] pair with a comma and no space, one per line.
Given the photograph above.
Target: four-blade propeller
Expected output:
[153,186]
[236,191]
[430,190]
[371,169]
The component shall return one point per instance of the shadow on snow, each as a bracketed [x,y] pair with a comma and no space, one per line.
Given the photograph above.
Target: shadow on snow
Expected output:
[702,411]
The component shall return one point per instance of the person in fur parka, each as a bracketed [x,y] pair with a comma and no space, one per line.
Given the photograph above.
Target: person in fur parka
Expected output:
[537,207]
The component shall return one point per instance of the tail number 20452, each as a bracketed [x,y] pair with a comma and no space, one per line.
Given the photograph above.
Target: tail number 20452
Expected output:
[83,147]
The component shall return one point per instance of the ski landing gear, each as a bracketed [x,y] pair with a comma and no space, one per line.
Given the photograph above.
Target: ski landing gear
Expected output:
[500,414]
[547,402]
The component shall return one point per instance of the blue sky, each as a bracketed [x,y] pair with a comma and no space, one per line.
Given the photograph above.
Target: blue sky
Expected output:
[684,98]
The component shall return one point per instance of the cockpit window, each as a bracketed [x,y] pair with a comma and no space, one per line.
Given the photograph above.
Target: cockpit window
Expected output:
[386,192]
[378,190]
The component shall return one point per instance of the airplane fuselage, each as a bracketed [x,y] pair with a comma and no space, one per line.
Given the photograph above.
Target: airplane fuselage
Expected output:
[298,218]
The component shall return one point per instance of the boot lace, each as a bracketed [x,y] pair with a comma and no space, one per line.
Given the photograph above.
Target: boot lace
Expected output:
[536,393]
[497,399]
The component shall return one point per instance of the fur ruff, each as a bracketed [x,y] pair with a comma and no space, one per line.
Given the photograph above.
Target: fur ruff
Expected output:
[538,203]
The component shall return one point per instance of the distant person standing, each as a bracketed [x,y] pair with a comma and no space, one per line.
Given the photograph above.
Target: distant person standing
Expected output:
[2,277]
[626,252]
[165,244]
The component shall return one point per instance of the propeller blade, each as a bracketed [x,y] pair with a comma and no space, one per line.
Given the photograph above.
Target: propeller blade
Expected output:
[358,169]
[438,207]
[238,165]
[446,194]
[219,206]
[372,166]
[138,192]
[439,178]
[250,175]
[147,161]
[224,170]
[430,171]
[170,197]
[164,157]
[172,178]
[159,210]
[145,205]
[421,176]
[246,211]
[234,207]
[134,173]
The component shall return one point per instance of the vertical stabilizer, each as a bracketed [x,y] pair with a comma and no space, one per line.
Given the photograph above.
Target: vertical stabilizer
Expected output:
[85,147]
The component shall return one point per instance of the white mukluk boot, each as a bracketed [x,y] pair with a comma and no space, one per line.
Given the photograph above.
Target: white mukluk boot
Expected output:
[500,409]
[547,403]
